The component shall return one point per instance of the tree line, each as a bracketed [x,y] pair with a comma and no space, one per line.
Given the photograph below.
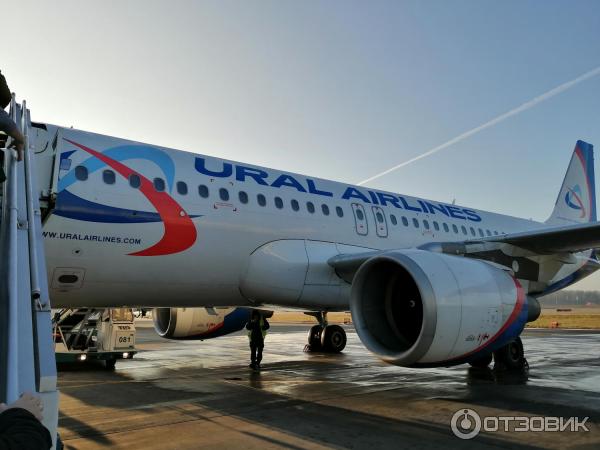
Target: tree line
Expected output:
[576,298]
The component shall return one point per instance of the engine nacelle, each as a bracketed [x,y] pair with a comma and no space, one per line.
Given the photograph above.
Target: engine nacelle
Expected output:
[198,323]
[424,309]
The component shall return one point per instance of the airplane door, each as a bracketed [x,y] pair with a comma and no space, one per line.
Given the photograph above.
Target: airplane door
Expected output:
[380,221]
[360,218]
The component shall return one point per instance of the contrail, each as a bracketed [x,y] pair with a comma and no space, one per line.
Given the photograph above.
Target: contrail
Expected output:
[513,112]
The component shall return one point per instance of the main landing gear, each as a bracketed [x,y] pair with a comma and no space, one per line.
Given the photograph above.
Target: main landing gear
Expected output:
[324,337]
[509,357]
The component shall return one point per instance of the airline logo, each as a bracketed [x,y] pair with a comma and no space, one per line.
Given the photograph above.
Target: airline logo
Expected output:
[573,200]
[262,177]
[179,230]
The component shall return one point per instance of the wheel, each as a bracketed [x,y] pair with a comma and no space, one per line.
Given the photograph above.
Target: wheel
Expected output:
[333,339]
[482,362]
[110,363]
[512,355]
[314,338]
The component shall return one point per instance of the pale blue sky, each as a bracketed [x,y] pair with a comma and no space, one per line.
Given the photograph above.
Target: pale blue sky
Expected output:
[336,89]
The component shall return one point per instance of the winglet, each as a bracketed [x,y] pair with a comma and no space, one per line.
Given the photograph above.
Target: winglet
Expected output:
[576,202]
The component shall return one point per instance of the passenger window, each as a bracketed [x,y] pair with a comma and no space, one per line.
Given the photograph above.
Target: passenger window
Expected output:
[325,209]
[108,176]
[379,217]
[203,191]
[310,207]
[135,181]
[278,203]
[480,232]
[426,224]
[339,211]
[455,228]
[463,229]
[360,215]
[262,201]
[243,197]
[495,233]
[416,223]
[488,232]
[393,219]
[404,221]
[436,226]
[224,194]
[81,173]
[295,205]
[446,229]
[159,184]
[182,188]
[472,231]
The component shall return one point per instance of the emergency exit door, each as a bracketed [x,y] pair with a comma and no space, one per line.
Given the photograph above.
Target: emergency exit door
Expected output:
[360,219]
[380,221]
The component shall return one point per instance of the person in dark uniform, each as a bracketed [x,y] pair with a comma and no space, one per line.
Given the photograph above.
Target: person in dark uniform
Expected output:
[20,426]
[257,330]
[8,126]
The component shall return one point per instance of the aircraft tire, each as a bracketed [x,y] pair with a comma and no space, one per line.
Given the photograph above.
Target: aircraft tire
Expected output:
[511,356]
[333,339]
[314,338]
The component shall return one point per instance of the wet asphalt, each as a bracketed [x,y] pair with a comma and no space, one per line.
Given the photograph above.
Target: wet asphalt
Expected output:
[198,395]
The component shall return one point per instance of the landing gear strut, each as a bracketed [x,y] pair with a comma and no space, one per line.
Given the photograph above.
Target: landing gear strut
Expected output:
[324,337]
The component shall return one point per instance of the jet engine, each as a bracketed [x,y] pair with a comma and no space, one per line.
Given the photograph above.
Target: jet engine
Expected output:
[198,323]
[423,309]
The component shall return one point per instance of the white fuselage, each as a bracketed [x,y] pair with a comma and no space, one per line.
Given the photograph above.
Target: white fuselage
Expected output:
[95,227]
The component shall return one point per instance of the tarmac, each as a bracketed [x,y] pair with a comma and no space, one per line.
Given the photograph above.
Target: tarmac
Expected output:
[202,395]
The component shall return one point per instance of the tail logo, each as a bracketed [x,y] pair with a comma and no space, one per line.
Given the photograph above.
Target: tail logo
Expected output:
[573,200]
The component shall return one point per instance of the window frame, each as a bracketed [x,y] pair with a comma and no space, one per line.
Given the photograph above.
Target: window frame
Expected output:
[261,200]
[85,173]
[109,173]
[203,191]
[157,181]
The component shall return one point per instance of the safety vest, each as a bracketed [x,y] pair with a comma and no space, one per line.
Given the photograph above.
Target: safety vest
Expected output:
[263,331]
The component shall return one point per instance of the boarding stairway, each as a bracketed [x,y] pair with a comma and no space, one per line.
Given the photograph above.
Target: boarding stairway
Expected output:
[77,328]
[27,361]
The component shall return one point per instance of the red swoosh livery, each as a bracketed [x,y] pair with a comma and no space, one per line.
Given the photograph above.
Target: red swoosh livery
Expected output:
[180,232]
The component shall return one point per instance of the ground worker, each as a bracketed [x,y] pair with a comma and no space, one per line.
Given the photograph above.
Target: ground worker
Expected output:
[257,330]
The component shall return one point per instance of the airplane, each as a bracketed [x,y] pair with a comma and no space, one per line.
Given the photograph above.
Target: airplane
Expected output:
[205,240]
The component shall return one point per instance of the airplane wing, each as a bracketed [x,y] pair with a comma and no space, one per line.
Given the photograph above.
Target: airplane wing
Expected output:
[547,241]
[544,241]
